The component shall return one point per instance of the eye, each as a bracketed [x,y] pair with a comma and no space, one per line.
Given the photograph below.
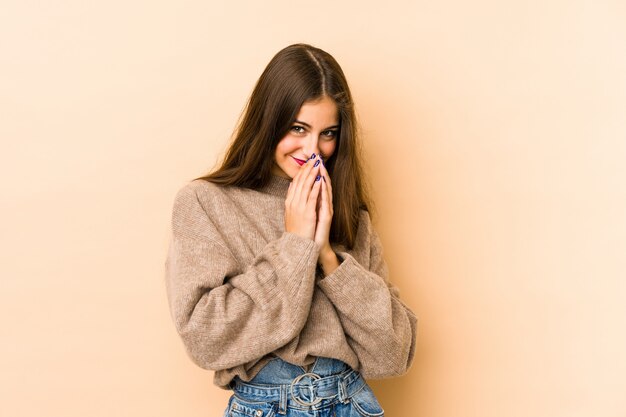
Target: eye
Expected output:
[298,129]
[330,134]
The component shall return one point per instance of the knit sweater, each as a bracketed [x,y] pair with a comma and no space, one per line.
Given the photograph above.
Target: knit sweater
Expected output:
[242,290]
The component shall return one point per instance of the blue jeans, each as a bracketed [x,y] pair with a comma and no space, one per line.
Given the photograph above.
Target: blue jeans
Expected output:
[330,389]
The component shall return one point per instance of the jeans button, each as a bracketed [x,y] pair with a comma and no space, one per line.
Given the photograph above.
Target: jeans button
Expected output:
[259,412]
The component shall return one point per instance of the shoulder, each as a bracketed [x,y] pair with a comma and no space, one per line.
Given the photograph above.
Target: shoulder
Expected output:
[198,188]
[367,244]
[365,232]
[365,218]
[197,201]
[199,193]
[365,222]
[196,211]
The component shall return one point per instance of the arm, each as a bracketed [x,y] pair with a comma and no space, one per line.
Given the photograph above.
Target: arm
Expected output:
[379,327]
[226,316]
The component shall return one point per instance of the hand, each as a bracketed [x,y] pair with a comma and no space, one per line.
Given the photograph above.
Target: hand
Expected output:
[327,257]
[324,213]
[301,200]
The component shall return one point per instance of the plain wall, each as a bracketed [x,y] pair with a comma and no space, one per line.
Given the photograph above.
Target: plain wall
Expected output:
[495,136]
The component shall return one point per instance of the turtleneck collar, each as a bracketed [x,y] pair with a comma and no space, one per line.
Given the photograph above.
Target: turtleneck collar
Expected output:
[277,186]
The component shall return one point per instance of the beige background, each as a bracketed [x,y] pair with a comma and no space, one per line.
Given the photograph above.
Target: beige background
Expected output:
[496,139]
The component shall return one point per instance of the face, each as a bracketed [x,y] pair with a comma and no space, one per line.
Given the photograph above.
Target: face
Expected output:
[314,131]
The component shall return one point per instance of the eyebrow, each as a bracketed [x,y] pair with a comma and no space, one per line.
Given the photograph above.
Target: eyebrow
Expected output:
[308,125]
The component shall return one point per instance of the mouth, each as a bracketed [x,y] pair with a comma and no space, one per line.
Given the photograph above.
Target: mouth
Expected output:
[299,161]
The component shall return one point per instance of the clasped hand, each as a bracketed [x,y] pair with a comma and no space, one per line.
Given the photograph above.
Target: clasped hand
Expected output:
[309,204]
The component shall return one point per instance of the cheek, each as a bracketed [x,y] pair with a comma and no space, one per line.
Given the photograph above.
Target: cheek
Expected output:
[279,153]
[286,146]
[328,148]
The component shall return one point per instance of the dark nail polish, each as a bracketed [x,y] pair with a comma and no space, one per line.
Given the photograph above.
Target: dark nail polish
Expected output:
[317,178]
[316,163]
[312,156]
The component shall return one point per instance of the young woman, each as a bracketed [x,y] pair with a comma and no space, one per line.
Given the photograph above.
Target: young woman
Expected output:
[275,275]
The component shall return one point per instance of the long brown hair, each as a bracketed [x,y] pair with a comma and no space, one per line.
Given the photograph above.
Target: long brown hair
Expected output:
[296,74]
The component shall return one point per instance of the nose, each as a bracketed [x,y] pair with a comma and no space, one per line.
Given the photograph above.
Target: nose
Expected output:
[311,146]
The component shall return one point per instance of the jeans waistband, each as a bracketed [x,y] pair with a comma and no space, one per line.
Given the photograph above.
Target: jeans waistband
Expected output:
[308,390]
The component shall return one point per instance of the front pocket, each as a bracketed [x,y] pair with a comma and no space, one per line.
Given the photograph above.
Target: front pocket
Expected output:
[366,404]
[242,408]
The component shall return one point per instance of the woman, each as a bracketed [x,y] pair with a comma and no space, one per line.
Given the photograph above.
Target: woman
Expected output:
[275,276]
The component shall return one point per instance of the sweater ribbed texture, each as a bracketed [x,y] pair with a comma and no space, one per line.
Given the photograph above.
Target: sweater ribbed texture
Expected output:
[241,290]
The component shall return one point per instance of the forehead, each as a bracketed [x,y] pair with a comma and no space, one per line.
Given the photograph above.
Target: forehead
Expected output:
[319,112]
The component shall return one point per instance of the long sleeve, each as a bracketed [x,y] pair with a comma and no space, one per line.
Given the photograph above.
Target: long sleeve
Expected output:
[228,314]
[379,327]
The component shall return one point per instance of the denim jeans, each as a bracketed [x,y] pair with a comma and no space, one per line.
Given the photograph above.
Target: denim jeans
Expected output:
[281,389]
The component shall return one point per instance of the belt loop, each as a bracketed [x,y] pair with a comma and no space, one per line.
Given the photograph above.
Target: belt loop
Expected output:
[342,391]
[282,404]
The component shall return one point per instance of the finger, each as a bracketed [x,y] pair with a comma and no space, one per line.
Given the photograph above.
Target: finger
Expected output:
[326,201]
[321,201]
[313,173]
[328,188]
[324,171]
[297,178]
[315,191]
[302,175]
[319,197]
[311,176]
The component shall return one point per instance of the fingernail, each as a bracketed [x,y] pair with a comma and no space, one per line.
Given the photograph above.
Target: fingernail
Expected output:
[318,178]
[312,156]
[316,163]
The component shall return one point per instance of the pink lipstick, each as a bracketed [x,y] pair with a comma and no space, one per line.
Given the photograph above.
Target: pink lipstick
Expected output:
[299,161]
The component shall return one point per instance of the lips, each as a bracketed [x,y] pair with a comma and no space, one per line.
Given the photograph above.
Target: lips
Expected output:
[299,161]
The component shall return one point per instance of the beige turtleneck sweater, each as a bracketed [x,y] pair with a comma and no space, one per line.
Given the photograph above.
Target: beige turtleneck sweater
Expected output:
[241,290]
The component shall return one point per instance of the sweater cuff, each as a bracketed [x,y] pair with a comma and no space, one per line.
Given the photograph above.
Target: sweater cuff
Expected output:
[347,281]
[305,252]
[300,281]
[300,244]
[280,269]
